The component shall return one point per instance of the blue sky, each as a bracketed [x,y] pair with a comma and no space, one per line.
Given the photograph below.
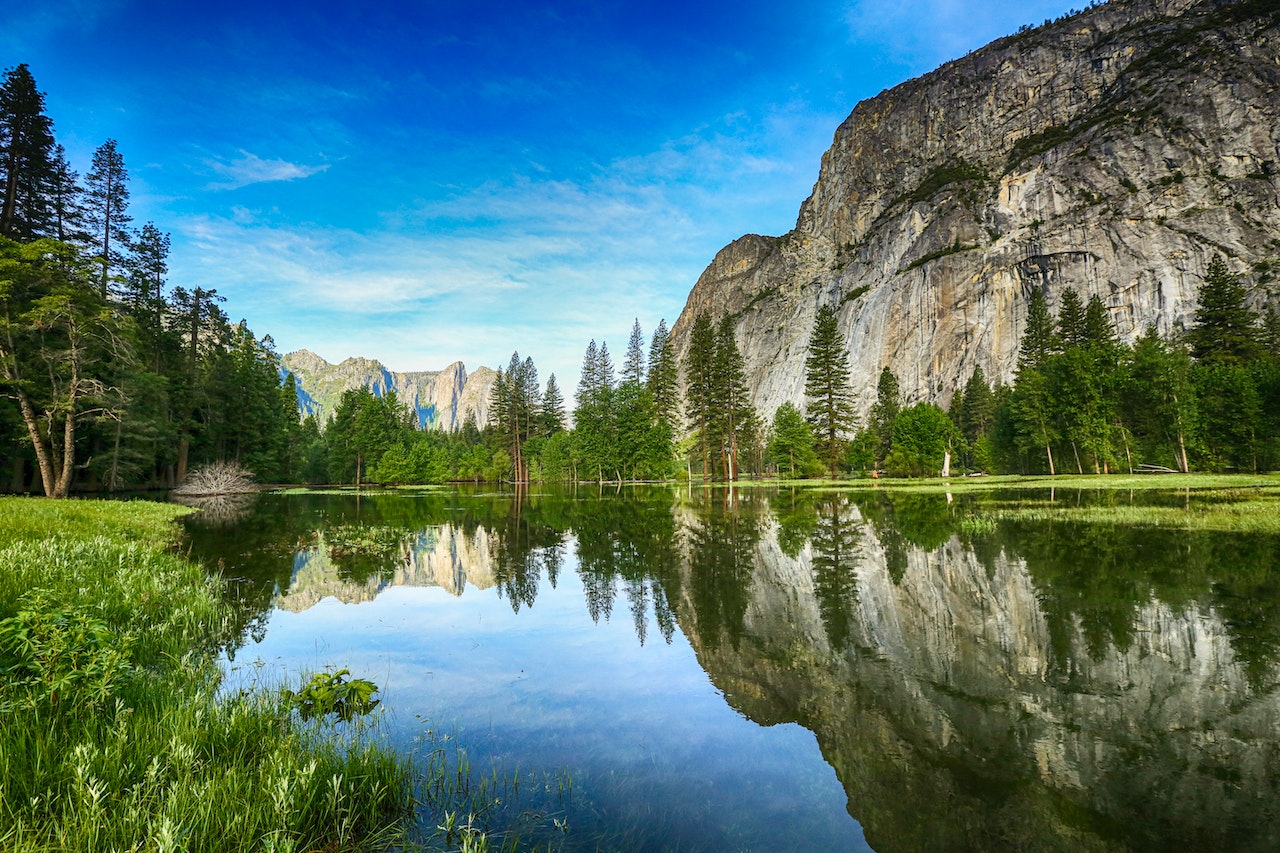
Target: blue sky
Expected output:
[433,181]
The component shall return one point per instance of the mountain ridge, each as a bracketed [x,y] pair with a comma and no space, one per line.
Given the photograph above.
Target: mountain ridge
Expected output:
[441,399]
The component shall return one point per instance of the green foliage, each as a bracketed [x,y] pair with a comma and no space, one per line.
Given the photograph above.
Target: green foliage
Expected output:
[700,387]
[1225,331]
[954,248]
[790,447]
[830,400]
[955,171]
[113,726]
[26,158]
[332,693]
[883,414]
[51,655]
[664,377]
[922,435]
[1039,339]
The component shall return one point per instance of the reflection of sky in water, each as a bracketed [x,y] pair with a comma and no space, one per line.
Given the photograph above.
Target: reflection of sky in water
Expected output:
[546,688]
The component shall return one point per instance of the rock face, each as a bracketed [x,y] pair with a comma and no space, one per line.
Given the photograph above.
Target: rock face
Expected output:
[442,556]
[1113,152]
[442,399]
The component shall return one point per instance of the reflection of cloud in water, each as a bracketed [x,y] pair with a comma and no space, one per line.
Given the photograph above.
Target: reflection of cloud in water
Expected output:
[443,556]
[219,510]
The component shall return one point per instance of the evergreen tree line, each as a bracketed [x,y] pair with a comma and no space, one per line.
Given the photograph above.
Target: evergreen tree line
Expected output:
[1081,402]
[109,376]
[622,430]
[625,423]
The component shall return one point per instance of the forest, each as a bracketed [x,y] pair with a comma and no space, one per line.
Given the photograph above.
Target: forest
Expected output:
[113,378]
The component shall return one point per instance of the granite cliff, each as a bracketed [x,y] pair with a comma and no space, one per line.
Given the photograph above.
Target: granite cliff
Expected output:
[441,399]
[1113,152]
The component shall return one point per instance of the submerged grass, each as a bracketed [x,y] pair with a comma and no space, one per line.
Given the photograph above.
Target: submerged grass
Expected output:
[112,736]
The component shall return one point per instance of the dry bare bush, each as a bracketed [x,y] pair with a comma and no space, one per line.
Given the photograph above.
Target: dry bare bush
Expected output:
[216,478]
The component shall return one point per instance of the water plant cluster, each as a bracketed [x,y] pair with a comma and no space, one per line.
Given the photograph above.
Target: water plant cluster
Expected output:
[113,735]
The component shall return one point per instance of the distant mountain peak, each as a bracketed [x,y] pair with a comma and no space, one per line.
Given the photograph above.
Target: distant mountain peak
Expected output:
[442,399]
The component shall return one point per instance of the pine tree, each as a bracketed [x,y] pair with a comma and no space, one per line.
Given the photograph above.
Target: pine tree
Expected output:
[143,290]
[1071,324]
[978,413]
[732,421]
[107,205]
[1099,330]
[791,442]
[1039,341]
[594,422]
[884,412]
[633,365]
[552,413]
[26,157]
[664,376]
[1158,401]
[66,202]
[830,406]
[699,371]
[1225,331]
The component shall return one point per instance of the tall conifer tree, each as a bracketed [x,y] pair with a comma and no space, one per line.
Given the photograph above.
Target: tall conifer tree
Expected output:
[699,373]
[26,157]
[107,206]
[664,376]
[830,406]
[1225,331]
[633,364]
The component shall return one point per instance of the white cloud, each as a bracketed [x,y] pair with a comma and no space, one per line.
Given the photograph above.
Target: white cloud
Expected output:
[252,169]
[533,263]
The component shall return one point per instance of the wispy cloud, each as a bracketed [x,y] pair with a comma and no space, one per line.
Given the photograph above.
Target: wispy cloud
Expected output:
[251,169]
[920,34]
[537,263]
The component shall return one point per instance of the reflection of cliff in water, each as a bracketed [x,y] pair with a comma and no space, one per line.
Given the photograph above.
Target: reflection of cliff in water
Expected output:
[442,556]
[961,710]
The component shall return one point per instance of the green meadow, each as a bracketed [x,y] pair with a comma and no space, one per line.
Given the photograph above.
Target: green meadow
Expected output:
[113,734]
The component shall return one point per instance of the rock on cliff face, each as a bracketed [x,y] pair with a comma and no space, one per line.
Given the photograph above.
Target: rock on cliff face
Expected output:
[441,399]
[1113,152]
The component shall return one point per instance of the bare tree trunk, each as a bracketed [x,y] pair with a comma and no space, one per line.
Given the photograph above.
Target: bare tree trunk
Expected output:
[42,452]
[68,455]
[1049,452]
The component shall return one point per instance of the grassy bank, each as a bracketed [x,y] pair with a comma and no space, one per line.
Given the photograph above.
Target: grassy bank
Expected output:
[111,737]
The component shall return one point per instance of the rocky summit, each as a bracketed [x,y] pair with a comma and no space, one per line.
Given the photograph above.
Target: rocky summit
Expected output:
[1113,152]
[441,399]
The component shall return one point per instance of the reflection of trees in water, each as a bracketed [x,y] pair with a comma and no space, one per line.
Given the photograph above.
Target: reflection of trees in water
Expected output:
[521,547]
[796,516]
[628,542]
[1092,580]
[722,541]
[835,545]
[1096,578]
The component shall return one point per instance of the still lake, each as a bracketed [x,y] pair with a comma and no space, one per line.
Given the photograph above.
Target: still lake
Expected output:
[665,669]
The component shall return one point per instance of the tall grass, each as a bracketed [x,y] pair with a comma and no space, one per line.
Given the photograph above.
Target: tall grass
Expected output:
[112,736]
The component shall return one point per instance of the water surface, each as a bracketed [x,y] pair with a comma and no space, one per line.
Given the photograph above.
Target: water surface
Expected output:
[756,670]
